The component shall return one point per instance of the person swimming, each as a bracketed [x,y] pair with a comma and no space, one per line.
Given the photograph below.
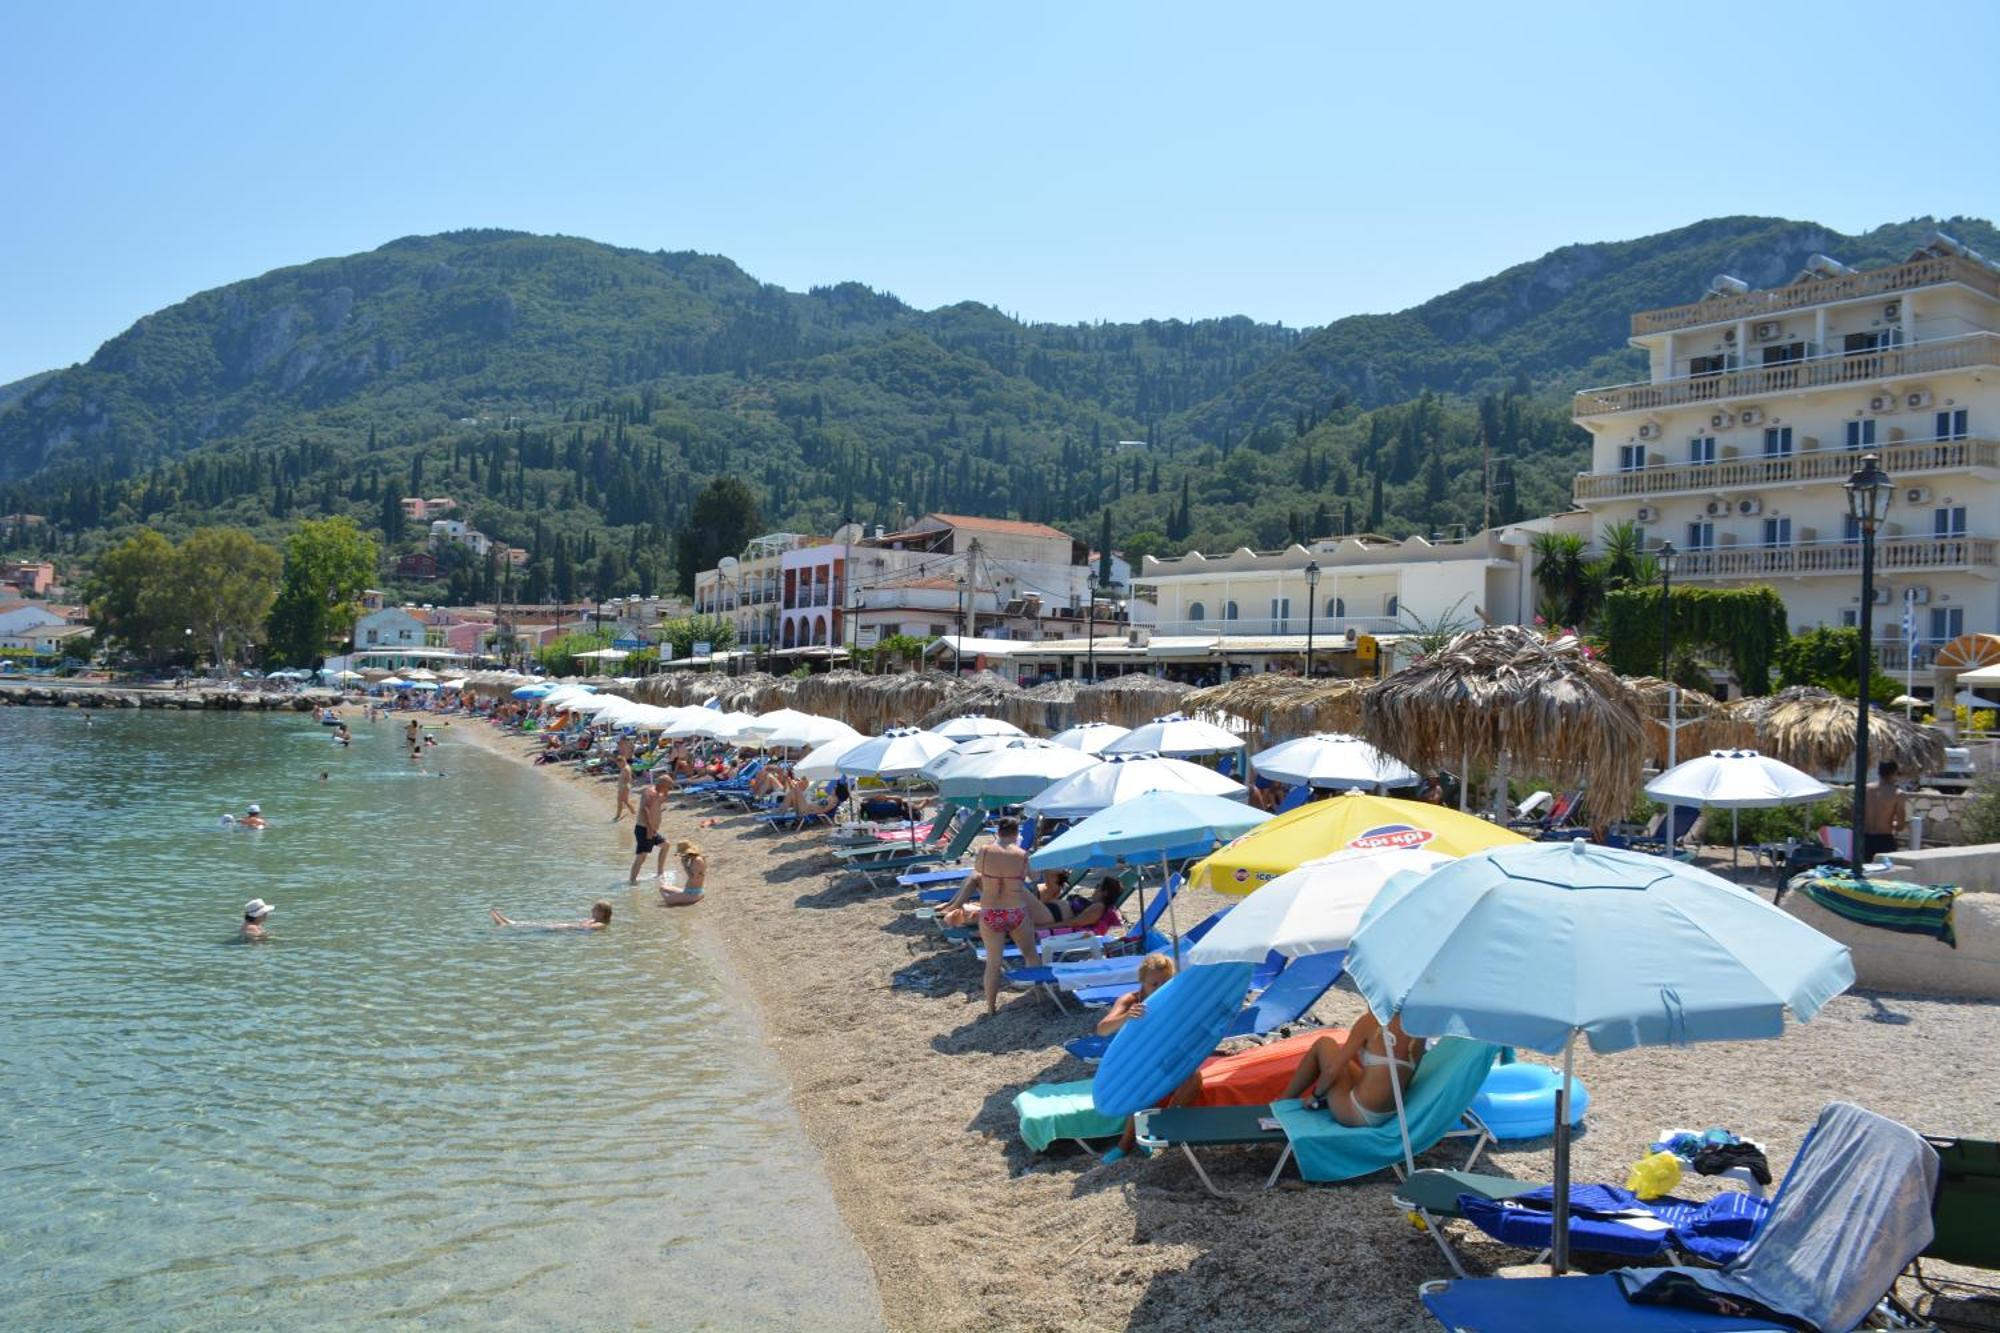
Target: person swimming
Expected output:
[600,917]
[255,913]
[253,817]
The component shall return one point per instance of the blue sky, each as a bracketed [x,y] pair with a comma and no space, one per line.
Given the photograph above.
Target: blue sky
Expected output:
[1293,162]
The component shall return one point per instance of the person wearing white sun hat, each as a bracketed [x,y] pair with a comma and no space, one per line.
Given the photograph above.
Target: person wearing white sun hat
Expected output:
[255,913]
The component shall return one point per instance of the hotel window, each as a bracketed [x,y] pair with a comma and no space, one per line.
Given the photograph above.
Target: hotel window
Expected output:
[1229,611]
[1947,623]
[1707,365]
[1701,536]
[1701,449]
[1778,356]
[1196,611]
[1631,457]
[1777,532]
[1337,608]
[1861,434]
[1854,344]
[1778,442]
[1281,611]
[1951,425]
[1392,607]
[1850,619]
[1948,522]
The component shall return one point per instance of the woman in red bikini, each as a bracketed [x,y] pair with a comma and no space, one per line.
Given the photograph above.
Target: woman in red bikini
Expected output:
[1002,870]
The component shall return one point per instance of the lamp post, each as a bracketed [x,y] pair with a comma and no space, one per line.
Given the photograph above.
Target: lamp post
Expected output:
[1312,610]
[1090,628]
[1869,491]
[1669,561]
[961,616]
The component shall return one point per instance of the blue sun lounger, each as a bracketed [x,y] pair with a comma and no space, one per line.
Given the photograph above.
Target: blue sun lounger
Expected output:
[1141,937]
[1852,1213]
[1437,1104]
[1284,999]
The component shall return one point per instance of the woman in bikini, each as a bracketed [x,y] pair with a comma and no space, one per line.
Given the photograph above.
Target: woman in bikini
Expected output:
[1075,911]
[1351,1079]
[694,876]
[1004,911]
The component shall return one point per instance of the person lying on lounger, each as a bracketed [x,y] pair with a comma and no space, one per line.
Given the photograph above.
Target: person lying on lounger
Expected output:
[1075,911]
[1351,1078]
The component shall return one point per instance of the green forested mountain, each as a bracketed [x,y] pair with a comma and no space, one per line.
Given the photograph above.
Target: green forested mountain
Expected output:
[574,397]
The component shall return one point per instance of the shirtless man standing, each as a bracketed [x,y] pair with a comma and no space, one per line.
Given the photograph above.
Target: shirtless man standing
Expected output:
[1888,816]
[646,827]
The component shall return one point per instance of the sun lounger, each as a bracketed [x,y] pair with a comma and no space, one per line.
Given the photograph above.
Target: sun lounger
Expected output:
[879,871]
[1437,1104]
[1853,1211]
[1284,1000]
[1965,1212]
[1141,937]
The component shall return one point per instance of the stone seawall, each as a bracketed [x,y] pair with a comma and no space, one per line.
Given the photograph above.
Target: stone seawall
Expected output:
[194,699]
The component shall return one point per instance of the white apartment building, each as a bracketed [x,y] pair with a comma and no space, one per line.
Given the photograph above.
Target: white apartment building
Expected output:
[454,531]
[1259,602]
[1759,404]
[745,589]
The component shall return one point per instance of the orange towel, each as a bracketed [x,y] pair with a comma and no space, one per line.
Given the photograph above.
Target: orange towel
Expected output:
[1258,1075]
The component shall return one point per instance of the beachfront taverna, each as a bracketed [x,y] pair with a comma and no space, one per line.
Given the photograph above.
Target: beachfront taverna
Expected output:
[1758,405]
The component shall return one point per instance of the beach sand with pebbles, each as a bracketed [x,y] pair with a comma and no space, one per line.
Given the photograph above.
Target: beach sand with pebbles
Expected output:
[906,1089]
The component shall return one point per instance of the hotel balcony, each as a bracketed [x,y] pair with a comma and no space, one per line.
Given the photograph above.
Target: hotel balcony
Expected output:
[1893,555]
[1806,466]
[1841,370]
[1926,272]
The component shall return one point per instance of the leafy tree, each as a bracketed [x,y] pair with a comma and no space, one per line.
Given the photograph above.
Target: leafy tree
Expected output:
[1828,657]
[682,633]
[1104,550]
[126,596]
[328,563]
[224,581]
[558,655]
[392,523]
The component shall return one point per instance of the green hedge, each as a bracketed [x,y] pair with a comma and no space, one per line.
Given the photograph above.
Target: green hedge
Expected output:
[1746,625]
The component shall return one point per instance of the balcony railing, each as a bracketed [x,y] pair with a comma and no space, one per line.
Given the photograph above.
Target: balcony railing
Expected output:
[1727,474]
[1842,370]
[1893,555]
[1894,278]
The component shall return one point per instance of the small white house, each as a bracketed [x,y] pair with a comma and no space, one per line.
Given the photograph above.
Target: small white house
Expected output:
[391,627]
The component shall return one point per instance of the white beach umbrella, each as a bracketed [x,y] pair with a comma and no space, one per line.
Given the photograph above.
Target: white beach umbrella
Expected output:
[1735,780]
[1011,773]
[965,750]
[761,728]
[419,674]
[593,703]
[1176,736]
[899,752]
[973,726]
[392,682]
[1332,760]
[810,731]
[723,726]
[1314,909]
[1119,778]
[1090,737]
[689,723]
[823,763]
[458,684]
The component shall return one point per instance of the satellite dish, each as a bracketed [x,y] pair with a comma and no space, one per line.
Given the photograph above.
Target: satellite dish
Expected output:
[727,564]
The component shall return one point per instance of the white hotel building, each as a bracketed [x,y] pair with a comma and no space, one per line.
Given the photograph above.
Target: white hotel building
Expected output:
[1759,404]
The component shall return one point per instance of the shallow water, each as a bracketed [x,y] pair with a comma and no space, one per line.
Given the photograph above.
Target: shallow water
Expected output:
[393,1109]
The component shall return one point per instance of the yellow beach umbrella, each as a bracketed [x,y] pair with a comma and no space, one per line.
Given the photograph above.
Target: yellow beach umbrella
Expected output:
[1321,828]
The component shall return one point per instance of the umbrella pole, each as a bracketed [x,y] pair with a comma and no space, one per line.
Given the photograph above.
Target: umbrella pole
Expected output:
[1402,1121]
[1464,777]
[1735,842]
[1559,1241]
[1173,920]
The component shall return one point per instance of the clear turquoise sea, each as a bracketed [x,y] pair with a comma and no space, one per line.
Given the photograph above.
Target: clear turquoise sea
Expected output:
[393,1110]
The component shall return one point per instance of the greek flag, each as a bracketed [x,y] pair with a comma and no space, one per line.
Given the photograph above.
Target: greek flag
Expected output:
[1910,616]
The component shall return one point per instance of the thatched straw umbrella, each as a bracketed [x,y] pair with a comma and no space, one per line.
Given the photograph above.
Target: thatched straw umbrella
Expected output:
[1128,701]
[1283,705]
[1701,721]
[1503,692]
[1814,729]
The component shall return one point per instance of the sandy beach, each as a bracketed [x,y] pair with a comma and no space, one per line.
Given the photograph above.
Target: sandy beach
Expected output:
[906,1087]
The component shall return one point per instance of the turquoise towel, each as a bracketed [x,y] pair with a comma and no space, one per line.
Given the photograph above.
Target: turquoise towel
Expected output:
[1052,1111]
[1446,1082]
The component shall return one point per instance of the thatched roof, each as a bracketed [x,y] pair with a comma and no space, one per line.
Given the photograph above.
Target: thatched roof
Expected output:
[1284,705]
[1505,692]
[1813,729]
[1704,722]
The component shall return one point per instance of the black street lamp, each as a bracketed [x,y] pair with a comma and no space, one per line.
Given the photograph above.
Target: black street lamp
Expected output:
[1869,491]
[1090,628]
[1669,560]
[1312,609]
[961,615]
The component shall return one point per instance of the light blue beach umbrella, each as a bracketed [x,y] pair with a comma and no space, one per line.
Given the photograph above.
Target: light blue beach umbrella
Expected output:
[531,691]
[1534,943]
[1158,826]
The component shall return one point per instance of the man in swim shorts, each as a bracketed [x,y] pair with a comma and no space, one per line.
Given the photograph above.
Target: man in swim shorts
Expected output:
[646,833]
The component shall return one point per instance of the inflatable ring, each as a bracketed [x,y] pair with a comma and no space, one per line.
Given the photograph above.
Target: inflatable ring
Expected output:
[1518,1101]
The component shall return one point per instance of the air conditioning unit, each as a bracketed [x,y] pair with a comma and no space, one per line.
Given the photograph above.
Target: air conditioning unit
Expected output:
[1716,508]
[1721,420]
[1725,539]
[1882,402]
[1916,495]
[1137,638]
[1893,310]
[1917,399]
[1649,430]
[1918,595]
[1749,507]
[1647,514]
[1729,335]
[1883,596]
[1767,330]
[1750,416]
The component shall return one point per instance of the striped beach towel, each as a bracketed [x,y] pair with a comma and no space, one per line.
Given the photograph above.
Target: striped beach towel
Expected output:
[1887,904]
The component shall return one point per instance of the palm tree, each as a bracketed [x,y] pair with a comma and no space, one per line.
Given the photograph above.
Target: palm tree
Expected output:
[1563,575]
[1624,562]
